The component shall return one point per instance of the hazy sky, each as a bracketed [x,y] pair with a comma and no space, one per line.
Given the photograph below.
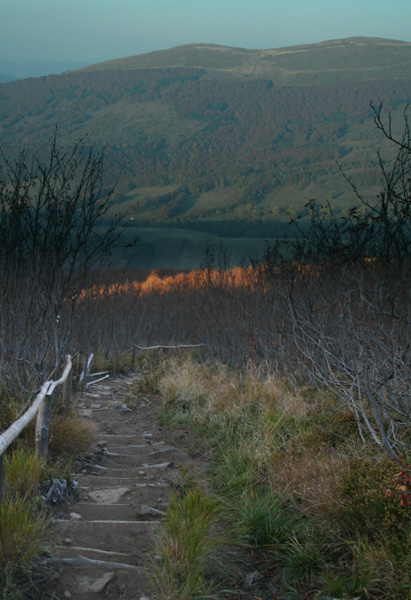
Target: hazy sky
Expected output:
[95,30]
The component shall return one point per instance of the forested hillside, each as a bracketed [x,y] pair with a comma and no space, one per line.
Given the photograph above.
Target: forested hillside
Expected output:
[216,145]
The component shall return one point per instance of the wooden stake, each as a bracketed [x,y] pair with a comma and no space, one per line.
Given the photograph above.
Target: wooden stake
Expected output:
[1,475]
[66,392]
[42,427]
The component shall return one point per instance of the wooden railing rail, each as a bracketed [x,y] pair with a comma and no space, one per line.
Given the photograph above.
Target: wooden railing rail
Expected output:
[42,408]
[135,348]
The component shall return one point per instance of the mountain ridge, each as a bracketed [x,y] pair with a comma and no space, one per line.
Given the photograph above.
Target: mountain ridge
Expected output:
[284,63]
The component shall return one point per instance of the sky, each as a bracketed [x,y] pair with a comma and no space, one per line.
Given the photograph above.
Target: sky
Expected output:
[90,31]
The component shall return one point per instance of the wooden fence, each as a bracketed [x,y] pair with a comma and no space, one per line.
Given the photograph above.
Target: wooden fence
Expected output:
[44,399]
[42,408]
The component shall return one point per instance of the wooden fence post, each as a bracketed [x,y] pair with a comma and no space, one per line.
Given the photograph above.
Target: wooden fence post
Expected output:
[79,367]
[1,475]
[66,391]
[84,371]
[87,369]
[42,426]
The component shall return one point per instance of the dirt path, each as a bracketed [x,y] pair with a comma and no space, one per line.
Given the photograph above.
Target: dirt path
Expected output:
[101,543]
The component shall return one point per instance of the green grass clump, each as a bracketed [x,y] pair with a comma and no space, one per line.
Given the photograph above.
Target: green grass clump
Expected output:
[23,472]
[187,546]
[23,533]
[23,523]
[387,565]
[303,558]
[264,519]
[188,481]
[344,582]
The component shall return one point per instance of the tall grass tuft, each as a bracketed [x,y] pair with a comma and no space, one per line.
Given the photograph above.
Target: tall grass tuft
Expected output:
[22,472]
[304,558]
[265,519]
[22,534]
[387,563]
[187,546]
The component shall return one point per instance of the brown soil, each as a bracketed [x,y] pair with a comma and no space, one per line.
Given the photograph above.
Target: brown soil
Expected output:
[101,542]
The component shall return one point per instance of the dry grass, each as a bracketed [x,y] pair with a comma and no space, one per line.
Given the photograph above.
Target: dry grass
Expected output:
[70,436]
[283,462]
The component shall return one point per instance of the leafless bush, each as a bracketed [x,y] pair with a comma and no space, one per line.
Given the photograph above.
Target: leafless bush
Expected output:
[51,210]
[351,324]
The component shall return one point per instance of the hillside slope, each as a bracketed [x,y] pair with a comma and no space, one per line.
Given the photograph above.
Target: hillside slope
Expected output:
[223,140]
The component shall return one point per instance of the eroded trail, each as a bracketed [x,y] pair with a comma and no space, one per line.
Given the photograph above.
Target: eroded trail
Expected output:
[101,542]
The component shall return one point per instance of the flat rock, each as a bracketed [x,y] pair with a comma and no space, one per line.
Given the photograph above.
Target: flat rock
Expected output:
[96,586]
[108,495]
[86,413]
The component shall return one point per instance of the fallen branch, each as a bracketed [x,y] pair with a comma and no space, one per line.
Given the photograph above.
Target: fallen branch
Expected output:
[96,550]
[89,383]
[168,347]
[82,561]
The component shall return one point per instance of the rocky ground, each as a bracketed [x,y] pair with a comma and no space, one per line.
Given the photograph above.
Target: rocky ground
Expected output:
[102,541]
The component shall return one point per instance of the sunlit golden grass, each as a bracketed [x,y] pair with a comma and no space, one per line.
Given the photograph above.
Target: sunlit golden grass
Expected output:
[235,277]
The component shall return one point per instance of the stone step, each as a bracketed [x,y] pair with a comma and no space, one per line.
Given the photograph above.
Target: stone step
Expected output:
[107,535]
[140,459]
[68,550]
[123,512]
[110,580]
